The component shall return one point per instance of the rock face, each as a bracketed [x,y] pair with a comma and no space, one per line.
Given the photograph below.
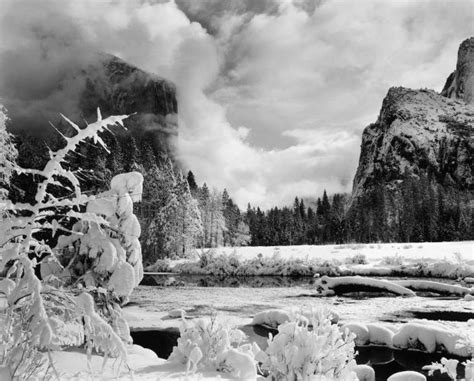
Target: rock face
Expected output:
[417,132]
[120,88]
[421,137]
[107,82]
[460,83]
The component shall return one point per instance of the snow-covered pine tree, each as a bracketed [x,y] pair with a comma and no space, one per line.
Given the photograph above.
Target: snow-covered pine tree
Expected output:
[8,154]
[217,225]
[189,218]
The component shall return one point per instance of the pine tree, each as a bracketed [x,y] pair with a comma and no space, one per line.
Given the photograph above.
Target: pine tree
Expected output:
[192,183]
[130,154]
[8,155]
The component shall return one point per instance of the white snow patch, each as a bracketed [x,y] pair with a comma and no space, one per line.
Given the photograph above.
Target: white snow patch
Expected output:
[407,376]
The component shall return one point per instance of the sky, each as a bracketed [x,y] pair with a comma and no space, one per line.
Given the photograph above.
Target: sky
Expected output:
[273,95]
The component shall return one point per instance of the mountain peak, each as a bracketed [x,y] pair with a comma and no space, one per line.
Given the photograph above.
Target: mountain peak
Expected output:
[460,83]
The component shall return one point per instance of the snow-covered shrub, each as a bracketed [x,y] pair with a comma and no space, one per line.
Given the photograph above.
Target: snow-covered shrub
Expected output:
[358,259]
[300,352]
[394,260]
[160,266]
[207,344]
[445,366]
[97,245]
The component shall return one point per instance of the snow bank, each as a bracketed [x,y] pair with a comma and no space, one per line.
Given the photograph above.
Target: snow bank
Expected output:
[407,376]
[437,287]
[340,285]
[430,337]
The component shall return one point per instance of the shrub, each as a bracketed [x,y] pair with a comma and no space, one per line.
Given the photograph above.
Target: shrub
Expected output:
[299,351]
[358,259]
[394,260]
[160,266]
[206,344]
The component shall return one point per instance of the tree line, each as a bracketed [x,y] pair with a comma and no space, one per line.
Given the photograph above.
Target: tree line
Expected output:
[177,215]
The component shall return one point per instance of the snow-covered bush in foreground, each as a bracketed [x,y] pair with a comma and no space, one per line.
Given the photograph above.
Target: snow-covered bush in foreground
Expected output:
[207,344]
[301,352]
[103,247]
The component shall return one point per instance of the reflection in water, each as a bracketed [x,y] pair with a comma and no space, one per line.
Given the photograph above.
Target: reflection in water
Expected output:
[224,281]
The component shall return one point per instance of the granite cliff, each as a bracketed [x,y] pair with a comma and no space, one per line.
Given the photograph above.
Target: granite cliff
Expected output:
[424,138]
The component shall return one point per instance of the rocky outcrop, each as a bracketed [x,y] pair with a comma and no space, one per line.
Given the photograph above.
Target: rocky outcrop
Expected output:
[460,83]
[104,81]
[415,179]
[417,132]
[120,88]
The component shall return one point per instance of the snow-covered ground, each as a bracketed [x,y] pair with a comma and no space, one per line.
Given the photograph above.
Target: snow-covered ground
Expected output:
[451,260]
[430,251]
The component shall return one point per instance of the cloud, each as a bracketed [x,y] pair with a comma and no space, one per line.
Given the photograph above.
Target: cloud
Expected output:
[273,95]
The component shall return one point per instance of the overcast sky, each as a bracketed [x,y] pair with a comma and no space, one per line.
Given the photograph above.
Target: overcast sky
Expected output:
[273,94]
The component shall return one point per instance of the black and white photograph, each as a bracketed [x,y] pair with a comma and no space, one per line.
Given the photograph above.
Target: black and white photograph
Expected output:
[253,190]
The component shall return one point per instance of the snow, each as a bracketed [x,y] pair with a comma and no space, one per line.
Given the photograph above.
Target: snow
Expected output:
[177,313]
[408,252]
[271,318]
[407,376]
[364,373]
[359,330]
[122,280]
[131,183]
[372,333]
[441,259]
[431,336]
[438,287]
[329,286]
[380,335]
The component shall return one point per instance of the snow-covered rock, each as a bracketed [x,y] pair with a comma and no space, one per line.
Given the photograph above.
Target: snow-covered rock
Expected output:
[380,335]
[372,333]
[177,313]
[360,330]
[364,372]
[407,376]
[271,318]
[431,337]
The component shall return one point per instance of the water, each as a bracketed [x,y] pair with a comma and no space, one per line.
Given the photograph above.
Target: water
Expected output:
[191,280]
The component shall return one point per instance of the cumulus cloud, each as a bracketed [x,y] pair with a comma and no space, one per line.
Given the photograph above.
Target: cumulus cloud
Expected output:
[273,95]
